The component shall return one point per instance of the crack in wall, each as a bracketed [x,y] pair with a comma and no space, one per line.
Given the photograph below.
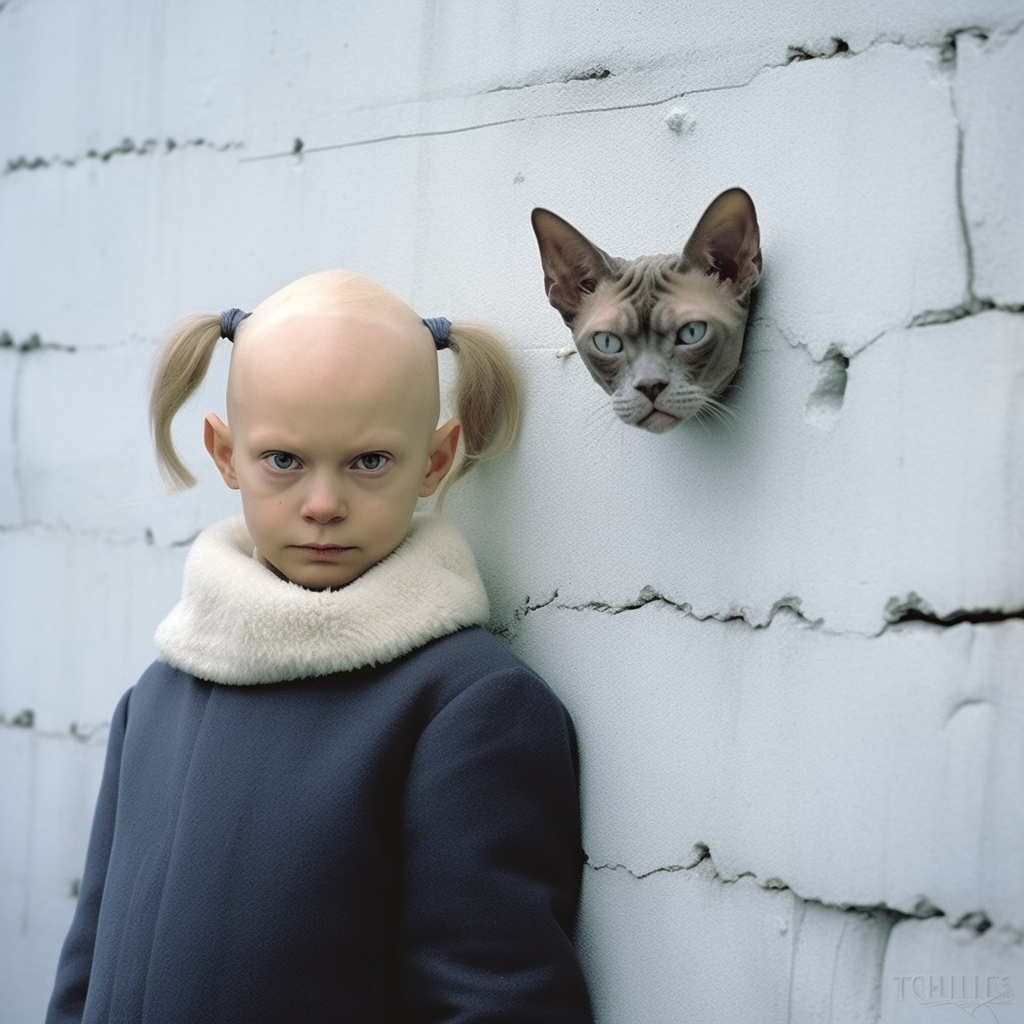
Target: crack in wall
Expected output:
[459,130]
[837,47]
[648,595]
[914,608]
[961,207]
[972,304]
[788,605]
[33,343]
[23,720]
[509,631]
[976,922]
[899,611]
[596,72]
[126,147]
[591,74]
[825,402]
[17,476]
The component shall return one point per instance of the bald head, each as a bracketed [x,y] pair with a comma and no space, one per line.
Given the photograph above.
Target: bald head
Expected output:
[334,292]
[334,336]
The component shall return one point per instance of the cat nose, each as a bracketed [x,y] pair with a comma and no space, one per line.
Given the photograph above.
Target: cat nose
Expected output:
[651,387]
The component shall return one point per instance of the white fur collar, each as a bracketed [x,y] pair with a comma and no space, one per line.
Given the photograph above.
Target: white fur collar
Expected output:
[237,622]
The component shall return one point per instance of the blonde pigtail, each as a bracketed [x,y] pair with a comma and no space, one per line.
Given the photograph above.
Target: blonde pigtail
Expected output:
[486,397]
[183,363]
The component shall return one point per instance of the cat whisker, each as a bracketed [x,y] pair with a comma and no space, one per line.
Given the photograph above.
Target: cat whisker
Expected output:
[714,411]
[721,411]
[598,414]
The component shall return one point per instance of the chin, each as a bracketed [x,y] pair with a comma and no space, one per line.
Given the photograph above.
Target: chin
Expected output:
[658,422]
[329,582]
[326,578]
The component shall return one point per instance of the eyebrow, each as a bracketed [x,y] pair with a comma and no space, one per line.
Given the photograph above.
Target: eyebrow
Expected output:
[280,441]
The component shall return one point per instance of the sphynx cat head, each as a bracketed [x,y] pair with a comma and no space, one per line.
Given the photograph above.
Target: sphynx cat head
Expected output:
[662,335]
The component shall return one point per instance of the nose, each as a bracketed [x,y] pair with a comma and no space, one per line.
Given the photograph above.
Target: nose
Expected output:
[650,375]
[324,502]
[651,386]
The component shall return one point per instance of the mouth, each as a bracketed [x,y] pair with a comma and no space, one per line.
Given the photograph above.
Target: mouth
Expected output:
[323,551]
[657,422]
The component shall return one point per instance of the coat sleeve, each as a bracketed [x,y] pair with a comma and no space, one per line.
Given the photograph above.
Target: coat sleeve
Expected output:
[67,1003]
[493,861]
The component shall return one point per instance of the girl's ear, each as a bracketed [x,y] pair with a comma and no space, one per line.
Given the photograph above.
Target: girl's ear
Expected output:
[442,455]
[217,438]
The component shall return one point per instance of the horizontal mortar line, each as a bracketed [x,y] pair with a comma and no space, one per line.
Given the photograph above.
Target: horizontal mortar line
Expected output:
[30,346]
[971,307]
[149,147]
[73,732]
[43,528]
[35,345]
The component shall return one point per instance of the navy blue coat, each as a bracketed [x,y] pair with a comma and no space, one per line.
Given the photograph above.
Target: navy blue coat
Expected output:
[396,843]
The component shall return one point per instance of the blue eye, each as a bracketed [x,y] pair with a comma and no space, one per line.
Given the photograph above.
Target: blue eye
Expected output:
[607,344]
[691,333]
[282,460]
[371,461]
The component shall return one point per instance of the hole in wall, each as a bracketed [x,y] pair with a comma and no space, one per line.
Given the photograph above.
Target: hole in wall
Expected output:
[834,47]
[826,401]
[589,74]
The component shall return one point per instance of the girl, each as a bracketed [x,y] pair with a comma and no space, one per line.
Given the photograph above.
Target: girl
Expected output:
[334,797]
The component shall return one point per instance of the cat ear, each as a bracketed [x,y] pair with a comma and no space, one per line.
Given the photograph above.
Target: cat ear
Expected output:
[572,265]
[727,242]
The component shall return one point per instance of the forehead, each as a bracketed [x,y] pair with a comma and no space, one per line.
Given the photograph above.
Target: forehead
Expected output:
[324,370]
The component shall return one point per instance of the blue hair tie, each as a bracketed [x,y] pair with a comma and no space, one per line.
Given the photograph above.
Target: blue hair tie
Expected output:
[229,320]
[439,327]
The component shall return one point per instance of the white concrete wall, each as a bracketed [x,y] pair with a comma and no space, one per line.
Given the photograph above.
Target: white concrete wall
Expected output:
[792,642]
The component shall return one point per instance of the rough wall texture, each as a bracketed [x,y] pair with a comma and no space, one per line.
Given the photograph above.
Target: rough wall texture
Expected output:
[792,641]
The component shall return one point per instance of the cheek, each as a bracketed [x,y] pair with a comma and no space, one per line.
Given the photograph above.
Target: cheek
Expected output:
[261,512]
[393,506]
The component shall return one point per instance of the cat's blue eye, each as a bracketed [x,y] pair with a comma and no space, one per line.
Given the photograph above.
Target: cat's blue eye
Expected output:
[282,460]
[607,344]
[691,333]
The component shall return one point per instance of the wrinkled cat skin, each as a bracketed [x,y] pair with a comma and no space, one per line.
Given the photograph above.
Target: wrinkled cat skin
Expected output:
[663,335]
